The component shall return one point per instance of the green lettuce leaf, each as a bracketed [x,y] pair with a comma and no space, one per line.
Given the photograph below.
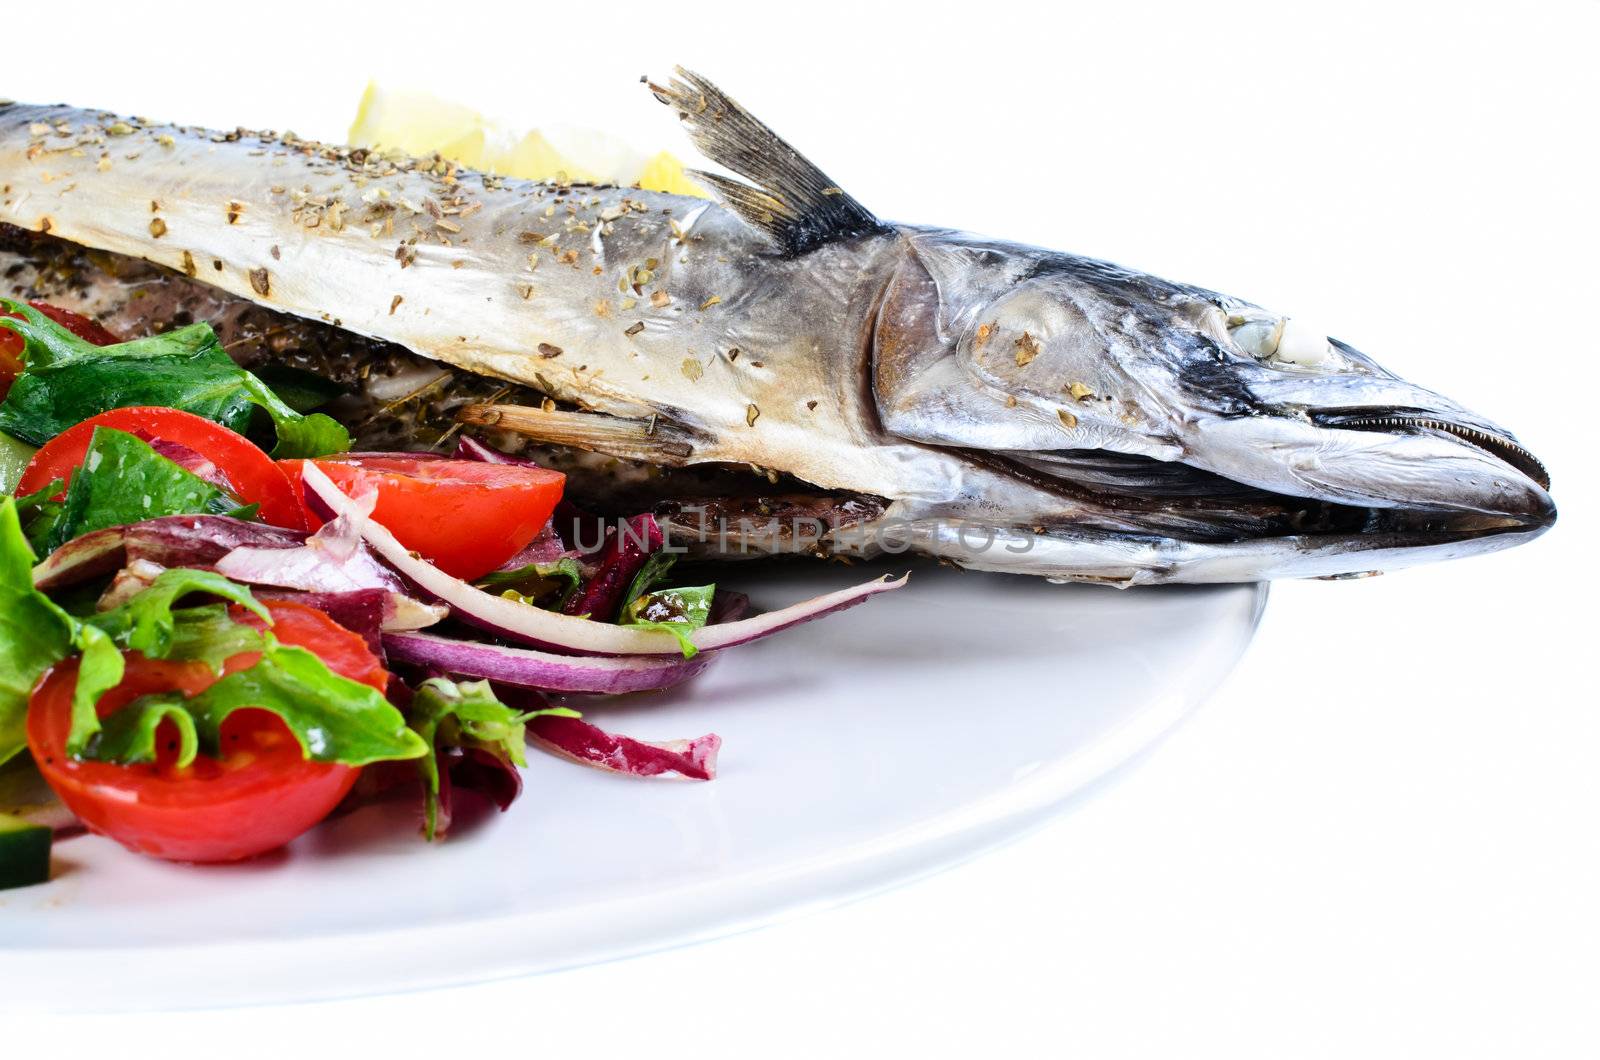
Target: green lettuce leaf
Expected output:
[67,380]
[40,512]
[651,574]
[301,390]
[447,713]
[552,583]
[100,669]
[147,623]
[129,735]
[207,634]
[14,457]
[676,611]
[35,634]
[298,436]
[123,481]
[333,718]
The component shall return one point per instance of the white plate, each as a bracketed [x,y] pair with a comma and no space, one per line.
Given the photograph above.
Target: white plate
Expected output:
[859,751]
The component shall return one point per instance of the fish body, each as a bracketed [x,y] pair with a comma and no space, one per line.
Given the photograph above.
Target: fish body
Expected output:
[1004,406]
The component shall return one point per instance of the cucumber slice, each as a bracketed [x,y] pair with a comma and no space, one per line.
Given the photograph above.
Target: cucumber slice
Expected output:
[24,852]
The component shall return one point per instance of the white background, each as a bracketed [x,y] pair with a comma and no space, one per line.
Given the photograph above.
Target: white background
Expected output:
[1380,837]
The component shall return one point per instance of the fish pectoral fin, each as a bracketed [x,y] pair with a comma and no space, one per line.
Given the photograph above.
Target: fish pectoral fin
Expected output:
[792,201]
[653,440]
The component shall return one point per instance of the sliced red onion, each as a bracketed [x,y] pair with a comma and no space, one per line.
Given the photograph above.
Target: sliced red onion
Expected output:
[590,745]
[333,560]
[541,670]
[546,548]
[538,628]
[170,541]
[82,559]
[196,464]
[333,563]
[403,613]
[307,568]
[201,540]
[469,448]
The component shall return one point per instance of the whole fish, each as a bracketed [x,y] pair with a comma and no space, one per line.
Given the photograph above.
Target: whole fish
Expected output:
[892,387]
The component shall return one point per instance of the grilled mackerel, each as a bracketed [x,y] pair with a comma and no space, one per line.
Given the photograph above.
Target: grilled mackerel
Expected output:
[780,372]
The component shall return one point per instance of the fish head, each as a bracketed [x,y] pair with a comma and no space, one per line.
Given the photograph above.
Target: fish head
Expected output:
[1115,384]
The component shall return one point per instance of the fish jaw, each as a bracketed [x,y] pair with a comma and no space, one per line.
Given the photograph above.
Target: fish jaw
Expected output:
[1411,459]
[1126,561]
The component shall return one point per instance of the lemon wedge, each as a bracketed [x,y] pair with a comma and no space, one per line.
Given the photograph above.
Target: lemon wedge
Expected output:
[420,123]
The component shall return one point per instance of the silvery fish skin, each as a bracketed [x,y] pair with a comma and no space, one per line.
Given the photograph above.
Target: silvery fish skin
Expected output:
[1003,406]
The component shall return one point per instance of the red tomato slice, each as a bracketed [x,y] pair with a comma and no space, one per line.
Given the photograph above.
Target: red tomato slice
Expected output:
[11,342]
[251,474]
[261,793]
[465,516]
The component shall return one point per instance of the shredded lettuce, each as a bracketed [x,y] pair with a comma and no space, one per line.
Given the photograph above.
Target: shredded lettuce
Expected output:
[447,713]
[66,380]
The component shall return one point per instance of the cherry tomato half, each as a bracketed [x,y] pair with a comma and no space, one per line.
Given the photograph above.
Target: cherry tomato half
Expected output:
[251,474]
[11,343]
[259,794]
[465,516]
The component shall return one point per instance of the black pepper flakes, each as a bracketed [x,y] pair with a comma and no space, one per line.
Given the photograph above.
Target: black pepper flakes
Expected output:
[261,282]
[547,351]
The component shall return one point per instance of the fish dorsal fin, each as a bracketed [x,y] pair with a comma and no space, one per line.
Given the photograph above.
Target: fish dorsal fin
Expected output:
[788,198]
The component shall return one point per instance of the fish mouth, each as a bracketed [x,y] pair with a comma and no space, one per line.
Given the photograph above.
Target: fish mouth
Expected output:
[1178,501]
[1392,420]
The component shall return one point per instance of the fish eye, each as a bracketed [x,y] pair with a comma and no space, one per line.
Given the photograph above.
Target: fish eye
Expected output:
[1281,341]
